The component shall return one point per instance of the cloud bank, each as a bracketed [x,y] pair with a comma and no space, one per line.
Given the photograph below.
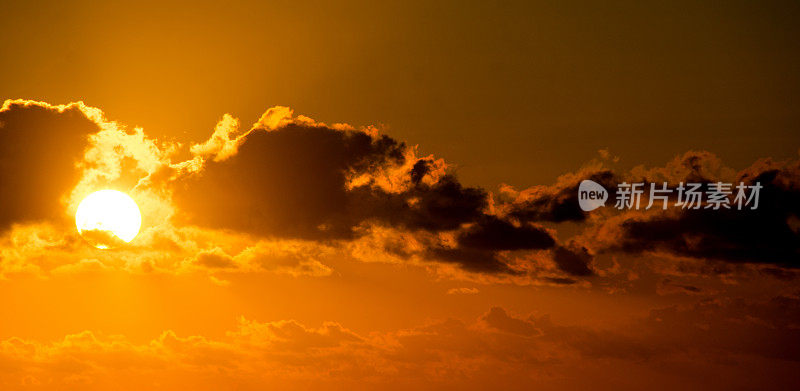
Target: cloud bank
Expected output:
[289,178]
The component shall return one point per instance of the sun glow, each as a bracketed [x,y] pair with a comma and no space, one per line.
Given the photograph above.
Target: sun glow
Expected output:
[108,218]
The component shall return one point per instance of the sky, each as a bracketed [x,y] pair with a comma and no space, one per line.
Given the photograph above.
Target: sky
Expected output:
[362,195]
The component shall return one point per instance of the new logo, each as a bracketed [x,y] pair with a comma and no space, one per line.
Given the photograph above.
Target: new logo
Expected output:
[591,195]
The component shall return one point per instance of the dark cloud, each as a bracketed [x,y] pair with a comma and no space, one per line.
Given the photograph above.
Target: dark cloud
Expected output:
[469,259]
[443,205]
[763,235]
[477,245]
[770,234]
[493,233]
[293,181]
[40,148]
[574,259]
[559,202]
[286,183]
[561,280]
[421,168]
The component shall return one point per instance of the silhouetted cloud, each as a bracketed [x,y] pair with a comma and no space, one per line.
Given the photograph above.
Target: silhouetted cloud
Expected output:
[573,259]
[768,234]
[289,182]
[559,202]
[296,178]
[40,149]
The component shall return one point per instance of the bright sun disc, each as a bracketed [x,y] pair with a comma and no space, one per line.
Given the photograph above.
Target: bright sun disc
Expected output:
[106,217]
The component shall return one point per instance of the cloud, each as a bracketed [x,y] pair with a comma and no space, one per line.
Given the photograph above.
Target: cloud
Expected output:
[702,345]
[55,155]
[493,233]
[768,235]
[295,178]
[557,202]
[285,183]
[294,258]
[222,144]
[291,178]
[47,250]
[667,287]
[214,259]
[287,178]
[41,147]
[497,318]
[82,266]
[573,259]
[764,235]
[293,336]
[462,291]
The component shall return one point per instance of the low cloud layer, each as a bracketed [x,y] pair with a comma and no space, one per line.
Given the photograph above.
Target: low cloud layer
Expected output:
[687,345]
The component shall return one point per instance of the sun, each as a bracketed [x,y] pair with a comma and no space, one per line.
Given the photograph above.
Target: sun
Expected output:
[108,218]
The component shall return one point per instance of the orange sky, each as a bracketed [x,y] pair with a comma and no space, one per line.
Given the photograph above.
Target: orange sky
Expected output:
[367,196]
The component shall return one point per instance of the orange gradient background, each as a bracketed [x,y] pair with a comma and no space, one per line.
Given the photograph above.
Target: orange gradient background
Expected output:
[249,272]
